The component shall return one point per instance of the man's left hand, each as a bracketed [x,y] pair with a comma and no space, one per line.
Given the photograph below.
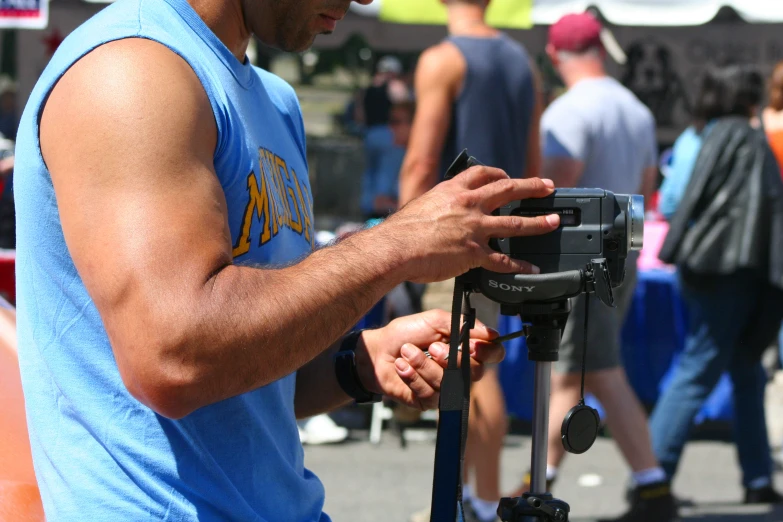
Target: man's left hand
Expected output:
[392,361]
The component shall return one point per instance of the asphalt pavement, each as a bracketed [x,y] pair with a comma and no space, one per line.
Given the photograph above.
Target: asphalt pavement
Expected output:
[387,483]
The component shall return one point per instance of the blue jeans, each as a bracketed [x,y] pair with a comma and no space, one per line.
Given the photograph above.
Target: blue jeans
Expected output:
[383,161]
[720,311]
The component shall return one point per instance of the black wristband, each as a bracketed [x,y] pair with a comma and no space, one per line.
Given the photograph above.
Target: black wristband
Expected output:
[348,375]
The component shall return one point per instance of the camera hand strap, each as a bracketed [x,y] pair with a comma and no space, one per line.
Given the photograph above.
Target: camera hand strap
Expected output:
[453,412]
[581,424]
[584,350]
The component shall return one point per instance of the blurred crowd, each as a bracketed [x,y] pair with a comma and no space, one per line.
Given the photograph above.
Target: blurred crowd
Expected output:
[719,189]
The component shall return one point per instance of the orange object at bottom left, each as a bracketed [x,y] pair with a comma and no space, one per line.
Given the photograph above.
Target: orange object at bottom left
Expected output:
[20,500]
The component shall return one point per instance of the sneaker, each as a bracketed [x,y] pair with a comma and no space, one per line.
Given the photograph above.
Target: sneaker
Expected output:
[650,503]
[765,495]
[321,429]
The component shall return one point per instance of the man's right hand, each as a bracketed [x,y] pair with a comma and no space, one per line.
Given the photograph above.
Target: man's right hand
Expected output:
[446,232]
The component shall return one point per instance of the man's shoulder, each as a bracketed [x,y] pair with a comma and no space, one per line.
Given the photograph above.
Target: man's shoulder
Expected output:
[567,105]
[441,51]
[286,101]
[629,98]
[278,87]
[442,61]
[516,45]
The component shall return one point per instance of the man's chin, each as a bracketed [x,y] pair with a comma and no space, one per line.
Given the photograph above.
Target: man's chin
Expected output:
[299,47]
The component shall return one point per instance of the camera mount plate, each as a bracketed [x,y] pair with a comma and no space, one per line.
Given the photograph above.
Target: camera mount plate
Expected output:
[530,507]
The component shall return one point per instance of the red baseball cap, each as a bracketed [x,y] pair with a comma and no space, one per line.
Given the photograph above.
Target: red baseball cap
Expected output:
[575,33]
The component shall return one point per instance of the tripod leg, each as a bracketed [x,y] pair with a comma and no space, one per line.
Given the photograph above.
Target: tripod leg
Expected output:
[540,427]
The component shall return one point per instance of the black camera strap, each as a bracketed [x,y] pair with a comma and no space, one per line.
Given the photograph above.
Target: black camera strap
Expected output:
[584,350]
[453,412]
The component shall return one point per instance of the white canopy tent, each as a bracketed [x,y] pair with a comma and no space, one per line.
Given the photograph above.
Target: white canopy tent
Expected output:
[641,12]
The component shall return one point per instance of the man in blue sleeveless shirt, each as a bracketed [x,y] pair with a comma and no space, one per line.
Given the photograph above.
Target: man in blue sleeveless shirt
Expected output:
[475,90]
[173,319]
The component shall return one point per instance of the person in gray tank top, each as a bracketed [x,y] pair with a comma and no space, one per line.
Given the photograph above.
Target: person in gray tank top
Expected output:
[476,90]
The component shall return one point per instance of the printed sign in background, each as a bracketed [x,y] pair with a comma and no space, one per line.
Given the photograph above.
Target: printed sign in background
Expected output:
[24,14]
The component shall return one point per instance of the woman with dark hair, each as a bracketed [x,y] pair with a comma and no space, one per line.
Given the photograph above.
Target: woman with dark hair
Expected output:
[728,91]
[772,115]
[726,239]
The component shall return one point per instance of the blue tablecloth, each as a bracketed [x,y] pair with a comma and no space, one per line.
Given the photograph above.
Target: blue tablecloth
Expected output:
[653,336]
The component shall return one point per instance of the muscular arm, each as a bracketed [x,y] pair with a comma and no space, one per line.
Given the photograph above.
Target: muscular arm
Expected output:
[145,221]
[438,79]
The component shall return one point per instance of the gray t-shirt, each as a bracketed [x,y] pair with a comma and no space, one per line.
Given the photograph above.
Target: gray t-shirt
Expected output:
[601,123]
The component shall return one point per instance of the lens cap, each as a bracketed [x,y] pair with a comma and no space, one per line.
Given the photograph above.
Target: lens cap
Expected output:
[580,429]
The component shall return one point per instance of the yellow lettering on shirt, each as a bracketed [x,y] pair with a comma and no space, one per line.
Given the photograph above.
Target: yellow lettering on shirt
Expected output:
[258,201]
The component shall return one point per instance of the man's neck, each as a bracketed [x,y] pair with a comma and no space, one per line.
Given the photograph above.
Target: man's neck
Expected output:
[468,20]
[589,71]
[227,20]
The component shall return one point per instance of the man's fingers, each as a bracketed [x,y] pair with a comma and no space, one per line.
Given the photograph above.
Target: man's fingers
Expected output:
[423,395]
[407,396]
[487,353]
[440,322]
[503,264]
[482,331]
[426,368]
[440,354]
[495,195]
[514,226]
[476,177]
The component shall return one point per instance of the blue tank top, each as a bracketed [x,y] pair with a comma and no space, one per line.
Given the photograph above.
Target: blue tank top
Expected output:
[98,453]
[491,116]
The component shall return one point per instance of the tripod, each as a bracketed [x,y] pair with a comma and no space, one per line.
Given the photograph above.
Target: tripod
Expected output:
[545,315]
[546,323]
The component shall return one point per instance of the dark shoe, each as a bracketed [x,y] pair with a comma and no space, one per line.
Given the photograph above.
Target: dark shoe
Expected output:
[525,487]
[765,495]
[650,503]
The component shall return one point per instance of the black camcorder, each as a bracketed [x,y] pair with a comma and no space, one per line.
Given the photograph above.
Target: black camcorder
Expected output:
[594,224]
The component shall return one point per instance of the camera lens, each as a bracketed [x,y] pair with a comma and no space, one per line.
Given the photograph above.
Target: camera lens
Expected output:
[635,222]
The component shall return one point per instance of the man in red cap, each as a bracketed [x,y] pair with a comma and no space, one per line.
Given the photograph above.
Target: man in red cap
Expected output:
[599,135]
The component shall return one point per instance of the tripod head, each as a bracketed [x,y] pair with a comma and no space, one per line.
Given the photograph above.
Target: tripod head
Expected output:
[533,508]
